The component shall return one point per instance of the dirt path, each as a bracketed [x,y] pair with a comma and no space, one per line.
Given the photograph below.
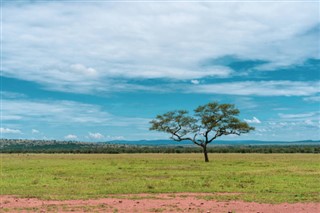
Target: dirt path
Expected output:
[180,202]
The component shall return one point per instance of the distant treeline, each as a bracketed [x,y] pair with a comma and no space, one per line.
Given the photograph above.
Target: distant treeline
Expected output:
[53,146]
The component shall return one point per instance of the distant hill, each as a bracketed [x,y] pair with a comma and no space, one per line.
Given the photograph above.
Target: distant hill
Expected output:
[215,143]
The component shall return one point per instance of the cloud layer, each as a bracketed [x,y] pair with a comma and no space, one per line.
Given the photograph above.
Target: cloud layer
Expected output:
[10,131]
[81,47]
[260,88]
[63,113]
[254,120]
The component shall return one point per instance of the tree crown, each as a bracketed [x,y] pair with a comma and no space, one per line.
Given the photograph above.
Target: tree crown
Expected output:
[209,121]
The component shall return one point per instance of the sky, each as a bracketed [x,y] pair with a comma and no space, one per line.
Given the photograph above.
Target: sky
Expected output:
[102,70]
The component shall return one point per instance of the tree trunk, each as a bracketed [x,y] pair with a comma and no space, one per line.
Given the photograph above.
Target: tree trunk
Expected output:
[206,159]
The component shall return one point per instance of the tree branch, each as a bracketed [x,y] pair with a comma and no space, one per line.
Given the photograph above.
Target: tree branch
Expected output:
[180,138]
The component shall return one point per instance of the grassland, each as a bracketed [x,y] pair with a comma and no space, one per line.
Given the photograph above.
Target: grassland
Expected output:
[267,178]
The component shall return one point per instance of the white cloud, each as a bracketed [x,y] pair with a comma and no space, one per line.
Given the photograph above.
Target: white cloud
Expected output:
[71,137]
[11,117]
[10,131]
[245,102]
[262,130]
[7,94]
[301,125]
[195,81]
[54,112]
[96,135]
[301,115]
[284,129]
[65,112]
[260,88]
[35,131]
[307,123]
[312,99]
[63,47]
[81,69]
[109,137]
[254,120]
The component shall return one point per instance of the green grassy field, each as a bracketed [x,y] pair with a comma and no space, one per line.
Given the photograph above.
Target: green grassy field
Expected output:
[268,178]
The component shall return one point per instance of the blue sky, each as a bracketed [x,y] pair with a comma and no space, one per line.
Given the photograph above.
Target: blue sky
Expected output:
[101,70]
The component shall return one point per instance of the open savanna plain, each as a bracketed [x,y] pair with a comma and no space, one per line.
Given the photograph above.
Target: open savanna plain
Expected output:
[230,180]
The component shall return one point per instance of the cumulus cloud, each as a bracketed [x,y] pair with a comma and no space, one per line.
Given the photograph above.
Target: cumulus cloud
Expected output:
[309,122]
[195,81]
[71,137]
[10,131]
[35,131]
[81,69]
[254,120]
[96,135]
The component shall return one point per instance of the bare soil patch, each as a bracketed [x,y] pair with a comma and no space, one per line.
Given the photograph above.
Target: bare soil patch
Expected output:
[175,202]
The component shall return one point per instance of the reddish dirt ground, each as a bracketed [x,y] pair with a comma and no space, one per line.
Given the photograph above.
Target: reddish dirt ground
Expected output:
[180,202]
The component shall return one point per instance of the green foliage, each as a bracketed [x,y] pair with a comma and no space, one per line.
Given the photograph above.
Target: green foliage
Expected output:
[251,177]
[209,122]
[174,122]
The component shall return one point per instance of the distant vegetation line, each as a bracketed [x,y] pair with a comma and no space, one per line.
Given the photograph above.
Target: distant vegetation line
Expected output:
[53,146]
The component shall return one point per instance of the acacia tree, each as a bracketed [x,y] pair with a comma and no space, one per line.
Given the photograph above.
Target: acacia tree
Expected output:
[209,122]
